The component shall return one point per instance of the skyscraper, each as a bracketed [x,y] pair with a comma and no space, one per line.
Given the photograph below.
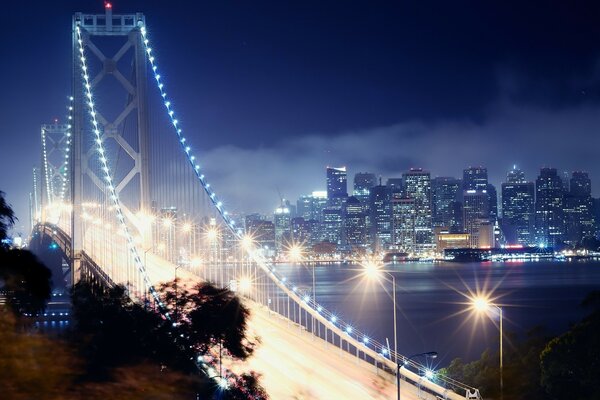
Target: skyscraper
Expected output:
[381,217]
[354,223]
[549,223]
[283,227]
[444,192]
[493,199]
[475,178]
[363,182]
[332,225]
[578,209]
[476,212]
[337,188]
[404,214]
[518,211]
[417,186]
[311,206]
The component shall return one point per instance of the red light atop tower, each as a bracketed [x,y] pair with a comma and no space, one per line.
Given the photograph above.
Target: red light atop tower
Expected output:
[107,5]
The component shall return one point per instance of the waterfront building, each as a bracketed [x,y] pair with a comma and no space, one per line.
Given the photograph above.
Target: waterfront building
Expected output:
[417,186]
[578,209]
[332,225]
[444,191]
[476,215]
[518,209]
[404,213]
[444,239]
[549,216]
[283,227]
[355,228]
[381,217]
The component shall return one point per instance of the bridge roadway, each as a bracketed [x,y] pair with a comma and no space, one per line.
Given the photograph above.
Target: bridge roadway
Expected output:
[297,365]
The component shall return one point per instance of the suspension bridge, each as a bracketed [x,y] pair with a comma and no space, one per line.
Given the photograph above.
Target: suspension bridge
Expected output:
[122,193]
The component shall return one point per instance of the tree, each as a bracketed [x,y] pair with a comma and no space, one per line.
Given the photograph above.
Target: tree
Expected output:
[26,280]
[7,218]
[570,363]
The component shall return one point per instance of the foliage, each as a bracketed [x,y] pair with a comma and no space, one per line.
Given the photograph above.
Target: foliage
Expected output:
[210,316]
[520,372]
[25,280]
[112,332]
[7,218]
[570,363]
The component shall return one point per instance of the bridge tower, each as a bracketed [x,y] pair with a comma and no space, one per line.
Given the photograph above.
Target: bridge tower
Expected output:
[123,33]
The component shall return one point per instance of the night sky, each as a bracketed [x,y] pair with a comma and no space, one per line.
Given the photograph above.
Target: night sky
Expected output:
[275,91]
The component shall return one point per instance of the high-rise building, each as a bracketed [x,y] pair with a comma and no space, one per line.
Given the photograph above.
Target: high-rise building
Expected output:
[337,187]
[300,230]
[263,233]
[475,178]
[518,208]
[395,185]
[283,227]
[404,215]
[444,191]
[363,182]
[355,228]
[311,206]
[381,217]
[549,218]
[476,213]
[332,225]
[417,186]
[578,209]
[493,199]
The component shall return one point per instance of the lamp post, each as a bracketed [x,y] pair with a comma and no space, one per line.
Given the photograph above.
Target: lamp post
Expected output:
[482,305]
[428,354]
[373,270]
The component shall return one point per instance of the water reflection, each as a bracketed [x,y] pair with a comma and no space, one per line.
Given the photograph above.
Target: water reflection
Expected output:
[432,304]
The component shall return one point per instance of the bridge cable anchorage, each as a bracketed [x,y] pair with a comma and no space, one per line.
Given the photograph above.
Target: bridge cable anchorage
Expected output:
[316,310]
[109,181]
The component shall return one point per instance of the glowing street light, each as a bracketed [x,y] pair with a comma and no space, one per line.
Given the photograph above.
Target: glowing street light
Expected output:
[247,242]
[167,222]
[373,270]
[212,234]
[186,227]
[482,305]
[295,253]
[245,284]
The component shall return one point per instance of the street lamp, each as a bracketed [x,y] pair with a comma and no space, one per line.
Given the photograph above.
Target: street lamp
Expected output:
[372,269]
[483,305]
[428,373]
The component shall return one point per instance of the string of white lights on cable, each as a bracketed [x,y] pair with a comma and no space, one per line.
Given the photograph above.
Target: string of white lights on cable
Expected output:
[108,176]
[65,172]
[49,186]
